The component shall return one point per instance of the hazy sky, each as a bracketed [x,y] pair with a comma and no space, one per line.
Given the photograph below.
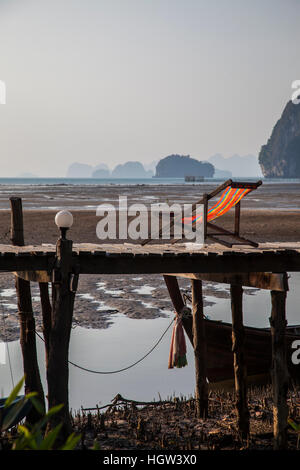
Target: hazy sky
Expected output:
[115,80]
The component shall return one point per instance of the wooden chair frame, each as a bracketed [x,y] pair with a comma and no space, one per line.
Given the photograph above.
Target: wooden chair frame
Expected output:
[237,217]
[218,231]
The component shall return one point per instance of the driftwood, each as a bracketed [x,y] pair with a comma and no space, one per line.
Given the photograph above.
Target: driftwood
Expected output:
[120,400]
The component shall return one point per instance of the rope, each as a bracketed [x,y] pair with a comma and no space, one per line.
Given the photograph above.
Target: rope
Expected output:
[124,368]
[6,342]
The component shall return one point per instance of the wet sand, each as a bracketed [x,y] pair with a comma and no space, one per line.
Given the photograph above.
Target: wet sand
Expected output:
[98,297]
[258,225]
[269,196]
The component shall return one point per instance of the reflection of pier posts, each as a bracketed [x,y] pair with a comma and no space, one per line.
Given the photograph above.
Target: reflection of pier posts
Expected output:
[199,343]
[279,369]
[26,318]
[240,370]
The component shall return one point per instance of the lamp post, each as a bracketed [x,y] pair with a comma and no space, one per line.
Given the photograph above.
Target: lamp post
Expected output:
[64,220]
[61,322]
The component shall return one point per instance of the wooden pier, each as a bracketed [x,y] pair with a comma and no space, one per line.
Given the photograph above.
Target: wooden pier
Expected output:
[135,259]
[264,267]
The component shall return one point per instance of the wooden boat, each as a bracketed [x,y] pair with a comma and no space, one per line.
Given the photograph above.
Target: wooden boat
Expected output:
[219,359]
[258,350]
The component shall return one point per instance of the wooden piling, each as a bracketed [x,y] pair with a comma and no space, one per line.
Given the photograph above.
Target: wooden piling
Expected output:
[237,217]
[61,322]
[240,370]
[178,303]
[199,343]
[46,314]
[16,221]
[205,211]
[26,318]
[279,369]
[174,292]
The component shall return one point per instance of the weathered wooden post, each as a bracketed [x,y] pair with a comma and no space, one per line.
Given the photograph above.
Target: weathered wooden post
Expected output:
[178,303]
[46,314]
[279,369]
[27,322]
[59,338]
[237,216]
[240,370]
[199,343]
[205,210]
[196,335]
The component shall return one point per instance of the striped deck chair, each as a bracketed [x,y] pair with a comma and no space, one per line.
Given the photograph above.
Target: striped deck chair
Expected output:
[232,192]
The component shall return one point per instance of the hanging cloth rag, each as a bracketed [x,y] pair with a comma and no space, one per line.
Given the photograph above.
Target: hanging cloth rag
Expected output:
[177,356]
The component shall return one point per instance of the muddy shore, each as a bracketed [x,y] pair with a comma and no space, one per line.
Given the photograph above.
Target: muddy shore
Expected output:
[98,297]
[174,425]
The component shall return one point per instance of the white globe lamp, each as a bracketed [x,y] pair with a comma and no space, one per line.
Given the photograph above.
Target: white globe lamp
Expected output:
[64,220]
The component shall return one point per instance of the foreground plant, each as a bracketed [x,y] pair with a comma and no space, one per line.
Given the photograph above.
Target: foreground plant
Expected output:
[296,427]
[33,438]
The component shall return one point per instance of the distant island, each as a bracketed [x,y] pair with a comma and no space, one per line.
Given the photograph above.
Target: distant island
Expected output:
[101,171]
[131,170]
[179,166]
[124,170]
[173,166]
[280,157]
[79,170]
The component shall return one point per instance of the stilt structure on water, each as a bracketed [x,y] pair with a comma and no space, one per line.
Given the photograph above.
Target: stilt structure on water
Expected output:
[263,267]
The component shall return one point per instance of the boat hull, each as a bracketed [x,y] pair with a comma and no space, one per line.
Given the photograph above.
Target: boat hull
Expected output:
[258,350]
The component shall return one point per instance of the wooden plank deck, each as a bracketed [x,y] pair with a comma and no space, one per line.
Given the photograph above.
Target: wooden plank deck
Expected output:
[136,259]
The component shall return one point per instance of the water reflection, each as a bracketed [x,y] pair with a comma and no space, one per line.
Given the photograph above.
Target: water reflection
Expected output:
[129,339]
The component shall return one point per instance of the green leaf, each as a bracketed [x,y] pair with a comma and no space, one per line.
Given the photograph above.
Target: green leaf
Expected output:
[31,395]
[13,395]
[24,430]
[96,445]
[294,425]
[44,420]
[49,440]
[27,441]
[71,442]
[37,404]
[13,413]
[38,437]
[54,410]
